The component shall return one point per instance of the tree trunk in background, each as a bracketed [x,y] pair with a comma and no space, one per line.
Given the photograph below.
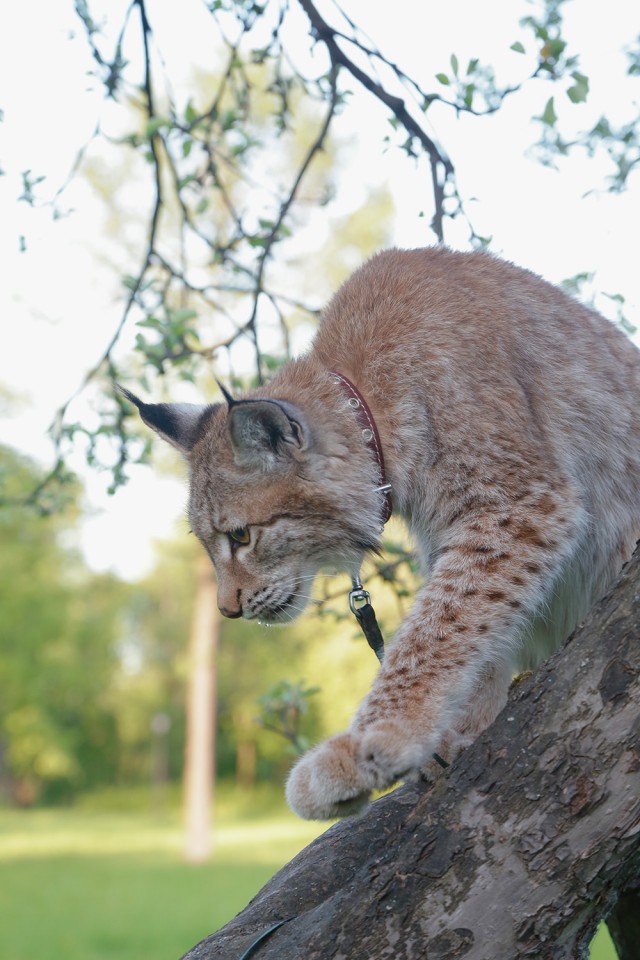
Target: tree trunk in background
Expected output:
[246,764]
[518,851]
[201,711]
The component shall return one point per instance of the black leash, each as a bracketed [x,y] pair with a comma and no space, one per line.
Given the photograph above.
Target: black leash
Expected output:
[360,604]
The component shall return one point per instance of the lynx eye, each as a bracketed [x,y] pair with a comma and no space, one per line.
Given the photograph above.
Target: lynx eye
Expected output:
[241,536]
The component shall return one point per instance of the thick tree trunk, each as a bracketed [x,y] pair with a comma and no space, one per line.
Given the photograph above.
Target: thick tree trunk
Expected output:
[530,838]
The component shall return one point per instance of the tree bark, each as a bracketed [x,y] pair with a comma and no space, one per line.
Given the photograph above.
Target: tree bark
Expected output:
[530,838]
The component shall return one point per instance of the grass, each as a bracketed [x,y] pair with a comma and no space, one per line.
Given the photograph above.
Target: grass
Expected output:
[94,885]
[107,880]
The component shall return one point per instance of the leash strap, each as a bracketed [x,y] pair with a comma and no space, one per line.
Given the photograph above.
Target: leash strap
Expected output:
[360,605]
[366,617]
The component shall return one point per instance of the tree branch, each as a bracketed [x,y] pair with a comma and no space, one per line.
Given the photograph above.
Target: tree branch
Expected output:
[518,851]
[438,159]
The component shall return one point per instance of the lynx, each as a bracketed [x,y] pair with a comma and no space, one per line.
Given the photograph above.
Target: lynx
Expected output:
[504,417]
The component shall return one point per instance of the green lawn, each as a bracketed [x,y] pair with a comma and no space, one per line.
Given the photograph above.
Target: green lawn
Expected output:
[88,885]
[85,884]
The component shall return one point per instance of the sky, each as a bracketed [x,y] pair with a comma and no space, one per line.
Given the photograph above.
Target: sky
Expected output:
[60,298]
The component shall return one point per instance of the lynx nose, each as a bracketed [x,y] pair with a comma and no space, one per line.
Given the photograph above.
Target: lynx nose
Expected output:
[230,603]
[231,614]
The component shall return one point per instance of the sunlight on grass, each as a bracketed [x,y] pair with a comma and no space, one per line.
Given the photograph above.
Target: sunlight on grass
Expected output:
[62,833]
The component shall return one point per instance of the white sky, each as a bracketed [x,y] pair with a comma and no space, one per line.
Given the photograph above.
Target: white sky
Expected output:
[59,303]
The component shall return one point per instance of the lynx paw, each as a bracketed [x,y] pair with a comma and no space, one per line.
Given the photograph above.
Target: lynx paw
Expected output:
[326,781]
[336,778]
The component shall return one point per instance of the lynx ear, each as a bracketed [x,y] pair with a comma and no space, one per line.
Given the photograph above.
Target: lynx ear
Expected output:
[179,423]
[265,431]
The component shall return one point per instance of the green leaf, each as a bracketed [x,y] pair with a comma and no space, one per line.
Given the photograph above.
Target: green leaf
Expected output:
[549,113]
[517,47]
[182,314]
[156,123]
[443,78]
[228,119]
[153,323]
[454,64]
[579,92]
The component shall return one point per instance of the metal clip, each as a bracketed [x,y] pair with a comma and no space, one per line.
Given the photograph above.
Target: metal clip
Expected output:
[358,596]
[385,488]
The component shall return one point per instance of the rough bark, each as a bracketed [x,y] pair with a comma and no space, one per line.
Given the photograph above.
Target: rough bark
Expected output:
[530,838]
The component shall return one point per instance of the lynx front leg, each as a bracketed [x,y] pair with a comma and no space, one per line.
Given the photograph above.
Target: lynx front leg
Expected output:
[483,706]
[494,572]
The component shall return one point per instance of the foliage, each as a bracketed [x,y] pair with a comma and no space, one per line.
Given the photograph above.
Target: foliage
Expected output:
[57,653]
[237,168]
[282,708]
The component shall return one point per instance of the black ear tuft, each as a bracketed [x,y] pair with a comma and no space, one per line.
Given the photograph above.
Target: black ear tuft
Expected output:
[227,396]
[179,423]
[128,395]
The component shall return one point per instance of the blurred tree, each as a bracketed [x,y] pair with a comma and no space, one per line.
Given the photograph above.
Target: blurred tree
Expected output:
[199,766]
[58,639]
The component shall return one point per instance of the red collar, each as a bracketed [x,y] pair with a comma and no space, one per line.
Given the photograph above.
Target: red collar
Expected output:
[370,436]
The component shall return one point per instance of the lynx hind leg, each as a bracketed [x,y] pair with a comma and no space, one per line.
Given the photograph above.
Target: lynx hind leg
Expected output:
[487,699]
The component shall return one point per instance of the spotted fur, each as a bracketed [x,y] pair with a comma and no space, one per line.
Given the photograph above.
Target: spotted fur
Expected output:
[508,418]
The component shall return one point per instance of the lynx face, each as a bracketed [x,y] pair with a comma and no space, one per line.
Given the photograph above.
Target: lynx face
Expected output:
[267,542]
[265,502]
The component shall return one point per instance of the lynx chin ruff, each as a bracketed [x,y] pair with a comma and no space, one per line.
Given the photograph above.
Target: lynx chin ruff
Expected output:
[508,418]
